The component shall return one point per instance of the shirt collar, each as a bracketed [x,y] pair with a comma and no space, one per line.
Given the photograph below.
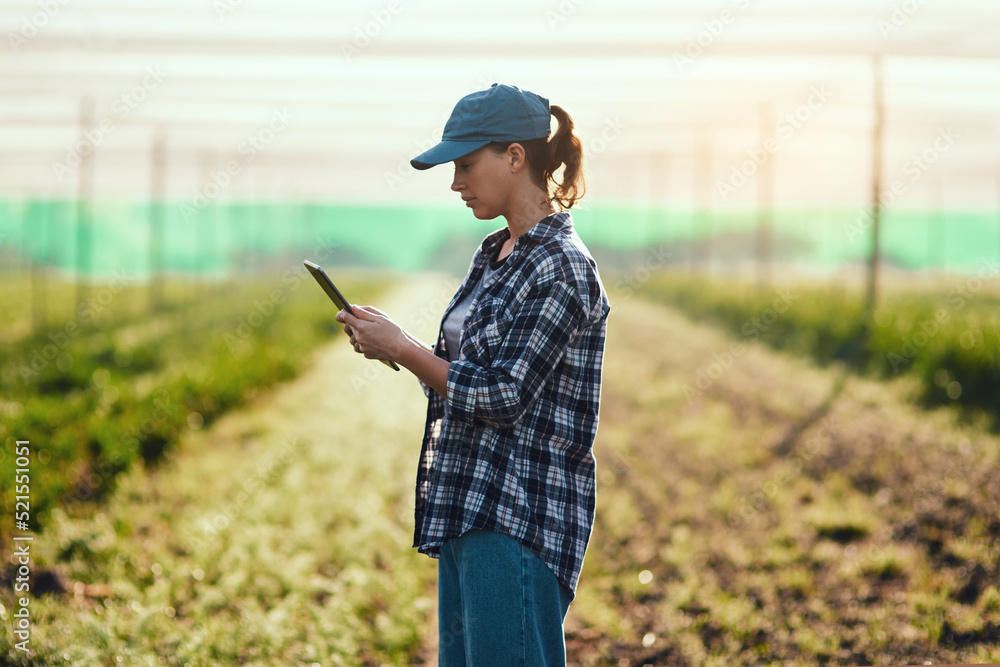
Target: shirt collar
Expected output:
[545,229]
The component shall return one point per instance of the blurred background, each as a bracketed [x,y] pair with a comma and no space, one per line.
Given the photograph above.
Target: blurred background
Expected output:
[819,176]
[205,136]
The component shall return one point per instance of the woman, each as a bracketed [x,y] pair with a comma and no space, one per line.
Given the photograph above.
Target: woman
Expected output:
[506,482]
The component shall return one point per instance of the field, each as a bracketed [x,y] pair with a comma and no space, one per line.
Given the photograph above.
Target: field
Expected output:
[116,385]
[782,513]
[945,331]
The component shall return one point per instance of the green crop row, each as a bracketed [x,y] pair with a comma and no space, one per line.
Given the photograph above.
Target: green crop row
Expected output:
[95,400]
[45,302]
[949,337]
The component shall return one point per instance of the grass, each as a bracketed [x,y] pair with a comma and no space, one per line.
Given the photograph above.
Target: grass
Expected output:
[100,396]
[832,528]
[784,515]
[266,540]
[946,333]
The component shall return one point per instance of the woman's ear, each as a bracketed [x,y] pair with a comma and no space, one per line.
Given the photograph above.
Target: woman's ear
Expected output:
[516,157]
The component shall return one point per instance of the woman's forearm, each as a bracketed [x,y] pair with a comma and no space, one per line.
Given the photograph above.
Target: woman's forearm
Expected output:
[421,361]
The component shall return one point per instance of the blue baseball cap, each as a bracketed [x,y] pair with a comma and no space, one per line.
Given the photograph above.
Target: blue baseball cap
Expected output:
[499,113]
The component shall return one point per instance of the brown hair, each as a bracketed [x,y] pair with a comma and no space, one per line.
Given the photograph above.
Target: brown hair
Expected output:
[546,155]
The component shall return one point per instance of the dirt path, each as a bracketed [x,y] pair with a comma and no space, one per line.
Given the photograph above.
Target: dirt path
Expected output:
[287,524]
[774,514]
[755,508]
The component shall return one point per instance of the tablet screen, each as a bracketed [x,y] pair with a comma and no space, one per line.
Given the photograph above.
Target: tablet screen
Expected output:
[338,299]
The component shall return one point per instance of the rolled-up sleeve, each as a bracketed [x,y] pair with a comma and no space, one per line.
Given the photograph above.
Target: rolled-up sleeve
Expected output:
[501,391]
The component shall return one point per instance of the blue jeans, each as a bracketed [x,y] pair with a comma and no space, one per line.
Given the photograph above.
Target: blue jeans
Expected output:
[498,604]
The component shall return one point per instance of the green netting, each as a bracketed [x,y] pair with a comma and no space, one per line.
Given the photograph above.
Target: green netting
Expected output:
[221,238]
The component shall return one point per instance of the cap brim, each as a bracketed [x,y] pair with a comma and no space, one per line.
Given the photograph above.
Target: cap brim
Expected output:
[446,151]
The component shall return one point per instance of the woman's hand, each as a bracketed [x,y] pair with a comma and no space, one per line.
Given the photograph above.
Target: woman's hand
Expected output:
[372,333]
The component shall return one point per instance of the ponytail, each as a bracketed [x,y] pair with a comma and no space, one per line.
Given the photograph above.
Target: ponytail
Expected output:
[565,150]
[547,155]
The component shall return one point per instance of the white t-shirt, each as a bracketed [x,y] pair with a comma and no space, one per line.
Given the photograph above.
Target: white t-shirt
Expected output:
[455,321]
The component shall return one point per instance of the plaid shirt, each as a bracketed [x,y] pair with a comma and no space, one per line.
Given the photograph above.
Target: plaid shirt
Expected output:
[515,455]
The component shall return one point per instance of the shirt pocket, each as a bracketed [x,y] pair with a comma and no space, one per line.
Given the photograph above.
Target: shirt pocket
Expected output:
[488,326]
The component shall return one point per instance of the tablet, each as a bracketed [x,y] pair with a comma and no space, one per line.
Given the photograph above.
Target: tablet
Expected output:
[338,299]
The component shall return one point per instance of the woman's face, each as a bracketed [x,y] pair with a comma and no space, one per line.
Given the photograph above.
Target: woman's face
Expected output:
[484,179]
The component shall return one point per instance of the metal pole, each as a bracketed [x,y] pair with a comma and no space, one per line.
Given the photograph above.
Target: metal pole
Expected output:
[702,257]
[877,147]
[204,250]
[646,194]
[158,177]
[765,198]
[85,188]
[998,209]
[936,235]
[38,265]
[664,198]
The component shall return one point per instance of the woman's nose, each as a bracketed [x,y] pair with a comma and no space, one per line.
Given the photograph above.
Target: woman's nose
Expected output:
[456,184]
